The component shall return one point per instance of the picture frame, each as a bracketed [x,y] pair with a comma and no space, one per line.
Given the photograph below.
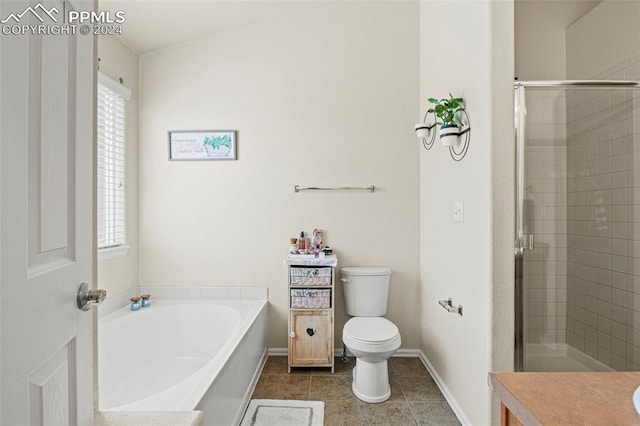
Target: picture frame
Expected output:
[202,145]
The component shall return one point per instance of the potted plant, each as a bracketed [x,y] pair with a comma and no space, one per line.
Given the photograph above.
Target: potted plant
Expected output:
[448,110]
[217,146]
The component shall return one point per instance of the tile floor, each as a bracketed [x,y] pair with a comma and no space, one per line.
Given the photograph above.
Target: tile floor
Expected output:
[415,397]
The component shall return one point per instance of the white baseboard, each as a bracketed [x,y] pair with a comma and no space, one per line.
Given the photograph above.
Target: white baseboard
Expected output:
[457,410]
[410,353]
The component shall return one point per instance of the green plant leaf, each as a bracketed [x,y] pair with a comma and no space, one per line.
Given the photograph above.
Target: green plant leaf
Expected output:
[447,110]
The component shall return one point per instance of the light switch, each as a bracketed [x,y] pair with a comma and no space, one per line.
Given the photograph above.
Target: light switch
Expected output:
[458,211]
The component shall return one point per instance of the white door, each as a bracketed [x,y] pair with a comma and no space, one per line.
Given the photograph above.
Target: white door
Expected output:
[46,210]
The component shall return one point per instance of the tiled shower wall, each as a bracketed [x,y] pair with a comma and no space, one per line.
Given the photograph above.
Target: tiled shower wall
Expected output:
[545,276]
[603,238]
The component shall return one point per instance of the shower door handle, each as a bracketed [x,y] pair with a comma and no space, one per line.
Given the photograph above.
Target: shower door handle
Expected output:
[525,242]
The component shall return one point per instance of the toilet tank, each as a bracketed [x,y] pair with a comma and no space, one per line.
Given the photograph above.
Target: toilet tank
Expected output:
[366,290]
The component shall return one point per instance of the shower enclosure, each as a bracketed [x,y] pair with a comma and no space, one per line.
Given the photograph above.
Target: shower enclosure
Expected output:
[577,243]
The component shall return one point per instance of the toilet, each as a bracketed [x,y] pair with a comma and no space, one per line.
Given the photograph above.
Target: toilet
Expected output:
[371,338]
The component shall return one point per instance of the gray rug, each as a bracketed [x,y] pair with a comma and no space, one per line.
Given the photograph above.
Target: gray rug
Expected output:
[278,412]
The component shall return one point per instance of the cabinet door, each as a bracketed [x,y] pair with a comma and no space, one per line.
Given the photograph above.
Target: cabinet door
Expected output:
[311,344]
[507,418]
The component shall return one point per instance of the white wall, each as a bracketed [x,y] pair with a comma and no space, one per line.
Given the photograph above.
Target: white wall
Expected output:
[605,37]
[117,61]
[540,41]
[540,49]
[470,261]
[326,97]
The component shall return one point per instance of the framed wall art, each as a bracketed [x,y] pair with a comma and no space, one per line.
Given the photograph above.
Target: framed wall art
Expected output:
[202,145]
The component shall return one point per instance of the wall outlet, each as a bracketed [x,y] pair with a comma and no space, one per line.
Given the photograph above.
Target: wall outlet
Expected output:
[458,211]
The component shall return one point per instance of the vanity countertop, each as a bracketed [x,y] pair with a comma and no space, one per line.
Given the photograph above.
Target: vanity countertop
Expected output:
[567,398]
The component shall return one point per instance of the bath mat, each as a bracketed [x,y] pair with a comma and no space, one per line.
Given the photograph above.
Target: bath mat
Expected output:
[278,412]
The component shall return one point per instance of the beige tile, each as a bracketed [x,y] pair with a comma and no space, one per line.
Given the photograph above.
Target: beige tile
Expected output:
[289,386]
[408,367]
[341,413]
[386,413]
[331,388]
[415,398]
[433,413]
[392,372]
[275,365]
[420,389]
[258,392]
[280,365]
[396,390]
[339,367]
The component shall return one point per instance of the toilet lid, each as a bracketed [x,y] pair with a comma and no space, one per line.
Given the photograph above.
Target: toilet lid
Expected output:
[370,329]
[365,270]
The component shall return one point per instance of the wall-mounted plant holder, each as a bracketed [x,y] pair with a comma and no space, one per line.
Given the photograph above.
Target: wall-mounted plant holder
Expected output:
[426,132]
[455,135]
[457,138]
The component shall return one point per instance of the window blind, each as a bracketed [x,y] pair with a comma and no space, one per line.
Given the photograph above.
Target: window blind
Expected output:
[111,161]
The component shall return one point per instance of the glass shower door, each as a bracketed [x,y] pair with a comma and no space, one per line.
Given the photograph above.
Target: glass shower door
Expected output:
[578,180]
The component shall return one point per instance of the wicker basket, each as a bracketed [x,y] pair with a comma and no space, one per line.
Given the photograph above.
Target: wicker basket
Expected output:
[310,299]
[311,276]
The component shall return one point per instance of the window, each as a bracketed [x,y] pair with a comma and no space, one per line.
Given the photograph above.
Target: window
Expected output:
[111,164]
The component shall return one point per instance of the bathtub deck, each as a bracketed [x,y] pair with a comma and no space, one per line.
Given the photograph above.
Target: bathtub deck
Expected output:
[155,418]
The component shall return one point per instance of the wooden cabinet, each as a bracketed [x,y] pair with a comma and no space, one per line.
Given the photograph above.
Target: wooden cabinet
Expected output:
[311,302]
[507,418]
[310,343]
[563,398]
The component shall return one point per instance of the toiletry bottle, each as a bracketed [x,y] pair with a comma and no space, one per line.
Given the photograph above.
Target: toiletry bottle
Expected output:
[146,300]
[301,241]
[135,303]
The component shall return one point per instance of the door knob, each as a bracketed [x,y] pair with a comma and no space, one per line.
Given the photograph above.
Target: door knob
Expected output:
[88,298]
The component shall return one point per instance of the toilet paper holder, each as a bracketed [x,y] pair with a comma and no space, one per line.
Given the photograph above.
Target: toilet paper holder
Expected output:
[448,305]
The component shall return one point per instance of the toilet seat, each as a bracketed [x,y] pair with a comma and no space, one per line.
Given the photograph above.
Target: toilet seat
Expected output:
[371,334]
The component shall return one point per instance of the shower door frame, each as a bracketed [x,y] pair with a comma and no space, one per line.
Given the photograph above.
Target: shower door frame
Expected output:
[525,241]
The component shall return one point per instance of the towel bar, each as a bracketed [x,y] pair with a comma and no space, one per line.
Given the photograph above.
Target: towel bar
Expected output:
[298,188]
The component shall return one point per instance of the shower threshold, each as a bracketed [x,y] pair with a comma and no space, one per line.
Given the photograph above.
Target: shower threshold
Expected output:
[559,357]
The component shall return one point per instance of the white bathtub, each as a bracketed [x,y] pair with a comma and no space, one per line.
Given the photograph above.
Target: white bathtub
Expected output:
[183,355]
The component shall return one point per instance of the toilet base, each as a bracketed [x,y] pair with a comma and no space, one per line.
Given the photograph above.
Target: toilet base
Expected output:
[371,381]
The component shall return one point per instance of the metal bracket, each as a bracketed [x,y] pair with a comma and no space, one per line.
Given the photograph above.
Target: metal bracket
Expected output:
[448,305]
